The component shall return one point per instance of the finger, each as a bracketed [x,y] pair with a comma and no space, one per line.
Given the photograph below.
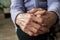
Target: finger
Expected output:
[32,29]
[43,29]
[35,25]
[40,9]
[45,23]
[24,16]
[32,11]
[41,21]
[40,32]
[19,23]
[23,22]
[36,34]
[40,12]
[38,20]
[28,32]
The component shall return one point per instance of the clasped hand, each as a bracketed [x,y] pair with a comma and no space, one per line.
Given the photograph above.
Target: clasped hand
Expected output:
[36,21]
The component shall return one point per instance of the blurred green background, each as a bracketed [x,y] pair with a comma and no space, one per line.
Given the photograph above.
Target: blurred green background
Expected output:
[4,4]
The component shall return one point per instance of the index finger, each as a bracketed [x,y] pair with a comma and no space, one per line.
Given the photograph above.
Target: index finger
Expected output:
[32,11]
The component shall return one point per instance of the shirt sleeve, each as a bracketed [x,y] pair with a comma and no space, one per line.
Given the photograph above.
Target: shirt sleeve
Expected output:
[17,6]
[54,5]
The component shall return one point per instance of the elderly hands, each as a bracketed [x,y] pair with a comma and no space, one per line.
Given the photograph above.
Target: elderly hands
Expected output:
[36,21]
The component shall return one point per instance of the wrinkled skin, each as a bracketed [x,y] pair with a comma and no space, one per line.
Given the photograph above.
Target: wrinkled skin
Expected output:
[36,21]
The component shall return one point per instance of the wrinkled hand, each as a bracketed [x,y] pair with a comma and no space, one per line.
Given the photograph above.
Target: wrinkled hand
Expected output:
[36,21]
[45,18]
[27,25]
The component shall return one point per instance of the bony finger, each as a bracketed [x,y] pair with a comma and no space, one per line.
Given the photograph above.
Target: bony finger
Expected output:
[43,29]
[28,32]
[38,20]
[40,12]
[32,11]
[32,29]
[40,32]
[36,34]
[18,22]
[38,16]
[35,25]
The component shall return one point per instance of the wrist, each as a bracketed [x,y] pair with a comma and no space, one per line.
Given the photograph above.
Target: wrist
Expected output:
[55,16]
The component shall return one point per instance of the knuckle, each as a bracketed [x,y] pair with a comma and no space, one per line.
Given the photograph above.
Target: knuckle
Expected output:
[28,32]
[36,34]
[41,20]
[36,30]
[38,27]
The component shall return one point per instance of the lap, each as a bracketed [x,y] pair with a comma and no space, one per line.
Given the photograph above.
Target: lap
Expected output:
[23,36]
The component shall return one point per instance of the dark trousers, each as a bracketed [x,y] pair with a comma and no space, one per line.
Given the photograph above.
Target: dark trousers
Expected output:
[23,36]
